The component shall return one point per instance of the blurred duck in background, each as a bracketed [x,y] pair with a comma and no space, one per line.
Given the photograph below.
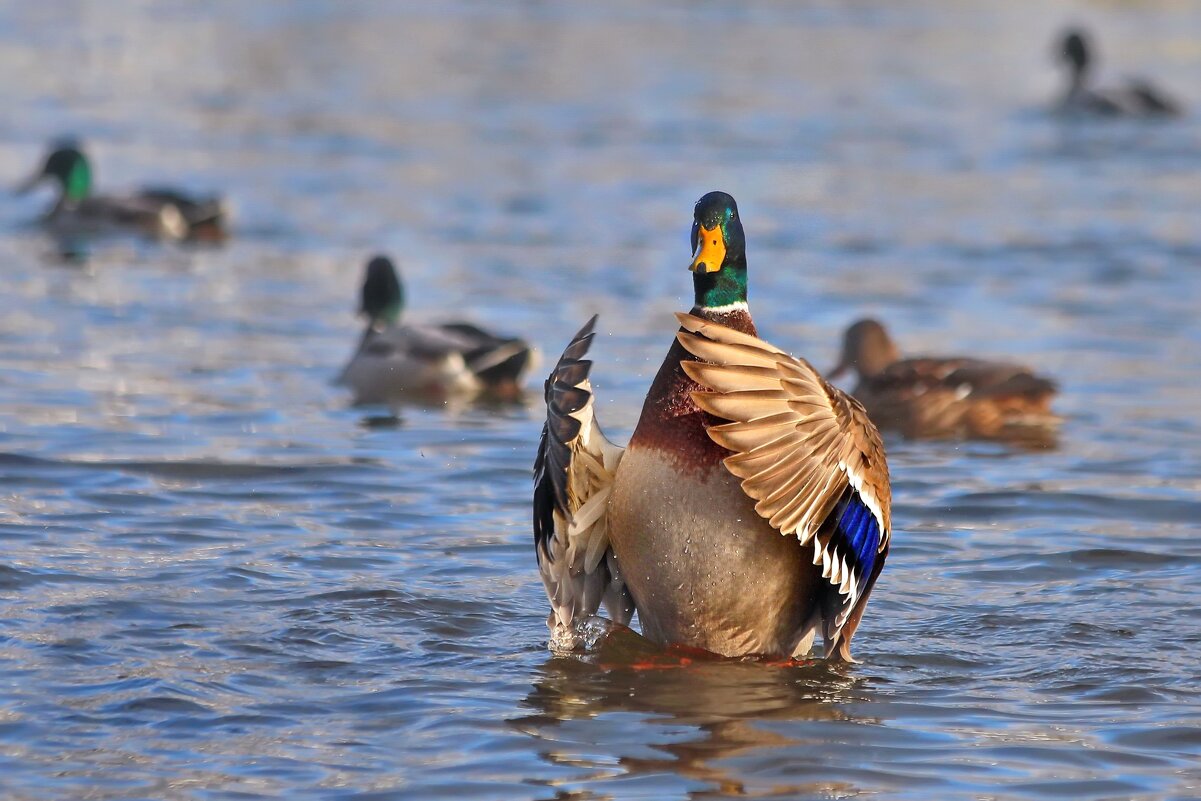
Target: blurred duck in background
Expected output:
[946,397]
[1134,98]
[434,362]
[159,212]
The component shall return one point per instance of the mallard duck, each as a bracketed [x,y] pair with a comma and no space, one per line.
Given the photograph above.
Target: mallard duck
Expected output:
[1136,98]
[427,362]
[939,397]
[155,211]
[750,510]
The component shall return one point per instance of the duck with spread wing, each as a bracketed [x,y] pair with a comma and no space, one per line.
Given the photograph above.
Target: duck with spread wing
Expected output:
[750,511]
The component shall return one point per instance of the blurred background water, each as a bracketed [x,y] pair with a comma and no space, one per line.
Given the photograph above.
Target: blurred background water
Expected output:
[218,580]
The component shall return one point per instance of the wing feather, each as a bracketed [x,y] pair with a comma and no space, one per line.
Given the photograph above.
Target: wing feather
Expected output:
[741,406]
[722,380]
[573,476]
[806,453]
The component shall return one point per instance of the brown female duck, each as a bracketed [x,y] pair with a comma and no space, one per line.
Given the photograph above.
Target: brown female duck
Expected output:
[942,397]
[751,509]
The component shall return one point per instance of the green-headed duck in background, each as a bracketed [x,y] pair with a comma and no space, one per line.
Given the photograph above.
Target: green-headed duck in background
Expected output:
[153,211]
[427,362]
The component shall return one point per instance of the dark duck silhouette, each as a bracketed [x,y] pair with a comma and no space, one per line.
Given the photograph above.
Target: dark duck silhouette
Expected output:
[1134,98]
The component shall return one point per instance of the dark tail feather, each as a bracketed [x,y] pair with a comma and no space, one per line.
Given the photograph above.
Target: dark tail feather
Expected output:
[1153,101]
[504,364]
[500,363]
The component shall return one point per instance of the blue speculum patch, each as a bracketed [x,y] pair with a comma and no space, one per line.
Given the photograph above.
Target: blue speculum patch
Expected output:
[859,531]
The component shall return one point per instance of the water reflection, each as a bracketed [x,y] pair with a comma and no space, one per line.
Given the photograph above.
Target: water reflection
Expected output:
[391,414]
[692,717]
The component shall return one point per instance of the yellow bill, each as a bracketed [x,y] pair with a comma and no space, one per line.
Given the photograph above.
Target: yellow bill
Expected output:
[710,250]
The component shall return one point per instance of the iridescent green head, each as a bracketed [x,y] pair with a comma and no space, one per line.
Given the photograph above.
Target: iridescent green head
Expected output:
[383,295]
[69,166]
[718,253]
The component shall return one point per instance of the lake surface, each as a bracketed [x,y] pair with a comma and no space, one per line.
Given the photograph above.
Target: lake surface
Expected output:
[220,581]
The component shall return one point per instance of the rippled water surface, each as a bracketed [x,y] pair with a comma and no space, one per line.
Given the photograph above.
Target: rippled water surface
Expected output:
[219,581]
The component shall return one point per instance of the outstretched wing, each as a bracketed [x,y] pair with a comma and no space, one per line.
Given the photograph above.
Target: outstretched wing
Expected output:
[573,477]
[805,452]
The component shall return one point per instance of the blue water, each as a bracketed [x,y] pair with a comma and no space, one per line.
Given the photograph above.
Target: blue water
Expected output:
[219,580]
